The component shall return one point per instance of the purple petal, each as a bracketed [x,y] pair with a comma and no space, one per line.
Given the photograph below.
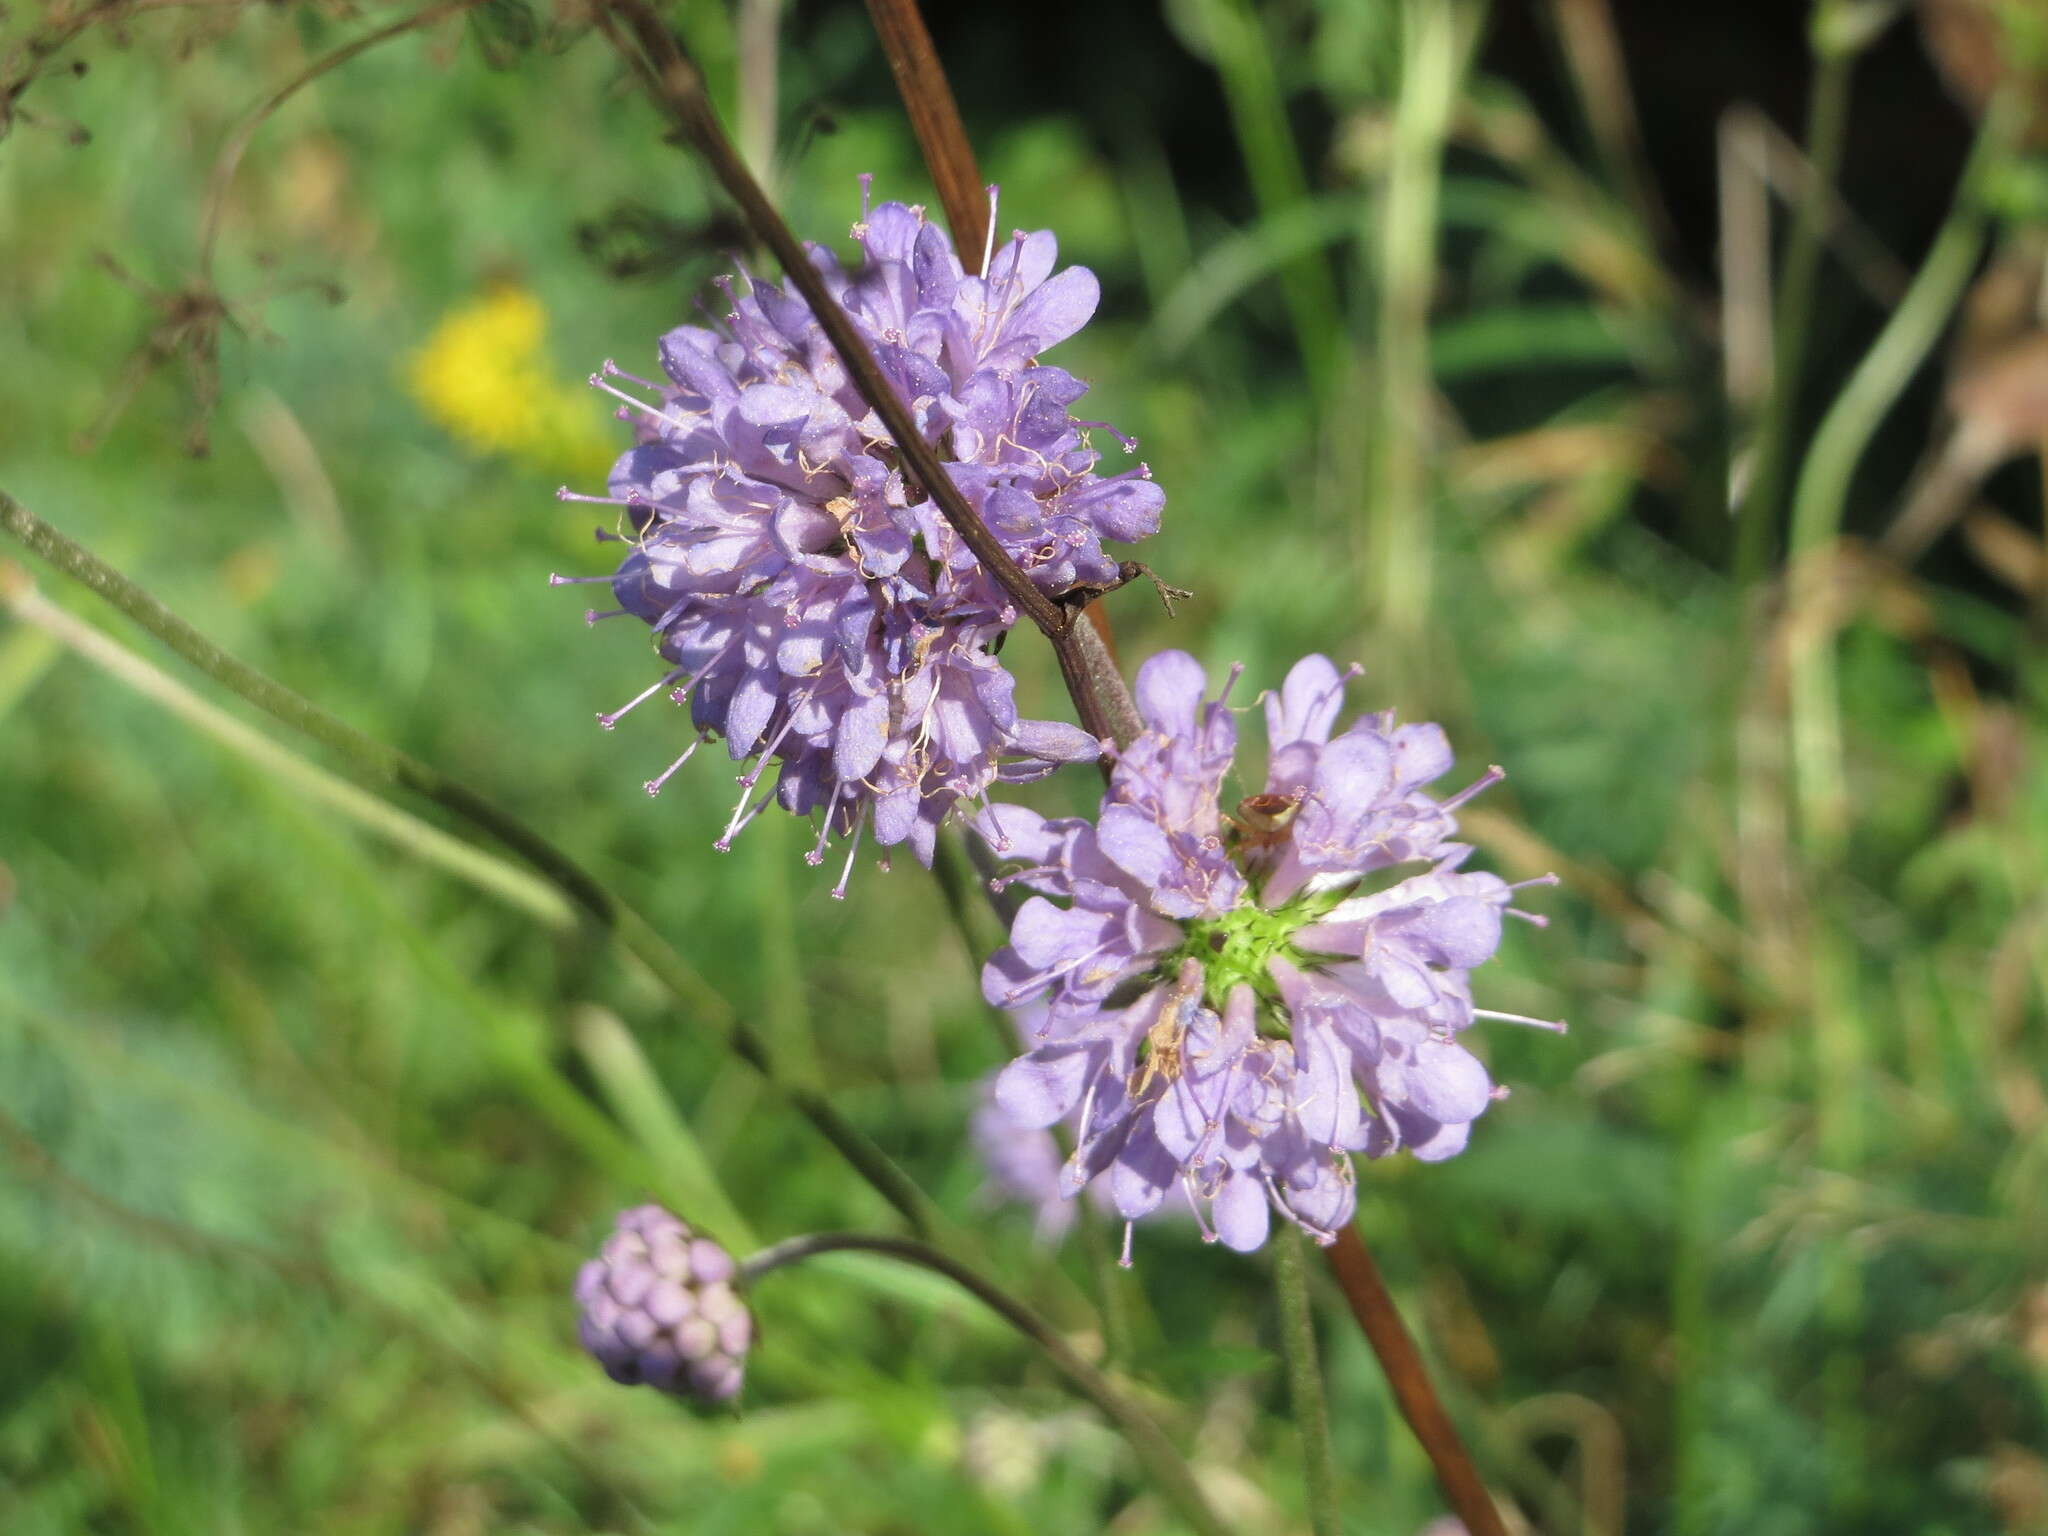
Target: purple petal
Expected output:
[1138,845]
[863,732]
[1056,309]
[1306,706]
[1464,931]
[1240,1212]
[752,704]
[1170,688]
[1446,1082]
[1041,1089]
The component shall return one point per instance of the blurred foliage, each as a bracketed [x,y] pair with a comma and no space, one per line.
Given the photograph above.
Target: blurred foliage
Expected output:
[303,1140]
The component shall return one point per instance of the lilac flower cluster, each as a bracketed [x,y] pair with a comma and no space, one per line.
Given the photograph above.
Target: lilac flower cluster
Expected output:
[658,1308]
[812,612]
[1235,1003]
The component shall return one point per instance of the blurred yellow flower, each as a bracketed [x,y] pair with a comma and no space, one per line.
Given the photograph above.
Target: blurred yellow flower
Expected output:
[483,376]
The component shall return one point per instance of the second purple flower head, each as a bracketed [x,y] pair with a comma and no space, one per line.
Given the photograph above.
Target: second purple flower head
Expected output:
[1235,1001]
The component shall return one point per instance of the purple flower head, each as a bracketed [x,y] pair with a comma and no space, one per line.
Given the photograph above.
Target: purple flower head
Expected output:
[1228,1005]
[814,612]
[658,1307]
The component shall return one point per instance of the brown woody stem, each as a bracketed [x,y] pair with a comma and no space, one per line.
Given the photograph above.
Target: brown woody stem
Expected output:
[935,119]
[948,155]
[1380,1321]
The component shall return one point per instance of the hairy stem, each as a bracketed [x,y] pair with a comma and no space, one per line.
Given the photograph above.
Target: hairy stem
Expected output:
[380,764]
[1166,1465]
[1414,1393]
[1305,1384]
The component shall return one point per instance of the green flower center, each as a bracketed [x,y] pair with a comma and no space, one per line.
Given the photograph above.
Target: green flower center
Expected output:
[1234,950]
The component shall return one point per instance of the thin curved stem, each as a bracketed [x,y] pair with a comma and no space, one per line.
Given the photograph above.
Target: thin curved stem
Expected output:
[1816,612]
[1830,467]
[214,202]
[378,763]
[1827,129]
[1305,1384]
[1414,1393]
[949,158]
[498,877]
[1169,1469]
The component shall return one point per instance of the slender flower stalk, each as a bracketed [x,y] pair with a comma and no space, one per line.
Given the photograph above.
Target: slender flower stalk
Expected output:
[498,877]
[1169,1470]
[1305,1386]
[1380,1321]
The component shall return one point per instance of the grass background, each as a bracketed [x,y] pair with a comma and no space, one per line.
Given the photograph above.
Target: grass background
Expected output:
[303,1137]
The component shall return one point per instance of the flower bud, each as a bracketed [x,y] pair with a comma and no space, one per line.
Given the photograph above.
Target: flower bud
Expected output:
[658,1307]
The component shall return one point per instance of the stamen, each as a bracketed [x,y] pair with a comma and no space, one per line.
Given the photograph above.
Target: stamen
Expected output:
[988,243]
[1031,986]
[606,536]
[1129,444]
[753,775]
[817,854]
[1187,1182]
[742,817]
[653,785]
[612,719]
[1555,1026]
[591,616]
[1000,843]
[682,694]
[1087,1102]
[1123,1260]
[563,493]
[556,579]
[1486,780]
[1230,682]
[613,370]
[1323,1237]
[633,402]
[1535,920]
[846,870]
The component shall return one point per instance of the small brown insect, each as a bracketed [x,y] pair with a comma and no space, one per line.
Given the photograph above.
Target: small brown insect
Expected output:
[1163,1043]
[1262,820]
